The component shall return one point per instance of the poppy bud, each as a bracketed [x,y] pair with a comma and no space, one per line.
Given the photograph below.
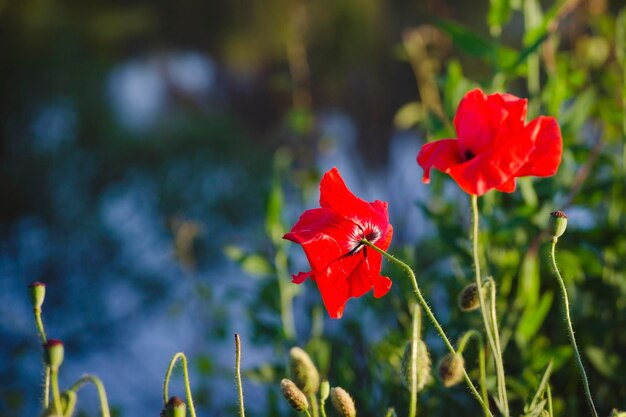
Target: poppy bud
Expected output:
[53,353]
[175,407]
[37,294]
[422,362]
[617,413]
[324,390]
[468,298]
[342,402]
[451,369]
[294,396]
[557,224]
[303,372]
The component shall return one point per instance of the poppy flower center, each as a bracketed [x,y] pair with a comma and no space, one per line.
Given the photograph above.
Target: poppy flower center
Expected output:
[469,155]
[371,233]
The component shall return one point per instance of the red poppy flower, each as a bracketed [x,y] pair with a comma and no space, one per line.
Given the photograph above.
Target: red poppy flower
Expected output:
[494,145]
[331,238]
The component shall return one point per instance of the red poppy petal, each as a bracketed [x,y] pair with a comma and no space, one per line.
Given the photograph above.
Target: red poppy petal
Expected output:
[333,285]
[300,277]
[481,117]
[441,155]
[496,166]
[335,195]
[381,284]
[359,280]
[325,236]
[545,158]
[508,186]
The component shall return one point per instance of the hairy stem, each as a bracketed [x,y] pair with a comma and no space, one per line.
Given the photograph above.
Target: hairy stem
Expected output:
[491,325]
[414,340]
[44,339]
[430,315]
[166,381]
[481,360]
[104,402]
[238,374]
[570,329]
[56,394]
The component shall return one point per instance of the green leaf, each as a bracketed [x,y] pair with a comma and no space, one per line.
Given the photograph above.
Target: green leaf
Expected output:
[607,363]
[467,40]
[532,319]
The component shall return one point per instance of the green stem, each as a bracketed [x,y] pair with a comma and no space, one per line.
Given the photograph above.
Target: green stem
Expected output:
[286,309]
[44,339]
[481,360]
[104,402]
[322,408]
[56,394]
[430,315]
[166,381]
[490,328]
[570,329]
[238,374]
[313,403]
[549,394]
[414,340]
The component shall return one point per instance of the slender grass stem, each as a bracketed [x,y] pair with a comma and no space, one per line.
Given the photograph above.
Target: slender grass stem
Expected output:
[430,315]
[491,325]
[570,328]
[238,374]
[104,402]
[166,381]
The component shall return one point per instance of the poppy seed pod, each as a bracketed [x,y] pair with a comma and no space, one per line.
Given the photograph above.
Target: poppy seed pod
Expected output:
[451,369]
[557,224]
[303,372]
[175,407]
[422,362]
[294,396]
[37,294]
[468,298]
[342,402]
[53,352]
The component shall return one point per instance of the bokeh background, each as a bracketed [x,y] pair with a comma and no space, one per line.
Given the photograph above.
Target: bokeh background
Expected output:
[153,154]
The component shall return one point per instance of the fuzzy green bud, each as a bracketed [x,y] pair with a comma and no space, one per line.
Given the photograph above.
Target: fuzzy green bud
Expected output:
[469,298]
[53,353]
[451,369]
[37,292]
[617,413]
[324,390]
[422,365]
[557,224]
[303,372]
[175,407]
[294,396]
[342,402]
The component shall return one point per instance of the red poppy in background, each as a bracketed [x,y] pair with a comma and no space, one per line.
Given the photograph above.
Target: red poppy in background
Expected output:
[331,238]
[494,145]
